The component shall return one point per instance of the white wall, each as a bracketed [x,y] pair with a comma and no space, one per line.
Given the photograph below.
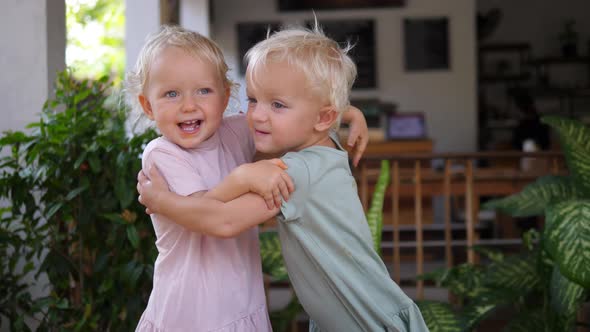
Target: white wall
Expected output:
[31,52]
[448,98]
[142,17]
[194,15]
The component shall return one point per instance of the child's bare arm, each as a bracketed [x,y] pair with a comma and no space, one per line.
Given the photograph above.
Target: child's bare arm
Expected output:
[358,136]
[201,214]
[266,178]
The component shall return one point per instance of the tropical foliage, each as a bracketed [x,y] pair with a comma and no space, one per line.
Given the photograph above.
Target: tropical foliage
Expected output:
[544,286]
[74,229]
[375,213]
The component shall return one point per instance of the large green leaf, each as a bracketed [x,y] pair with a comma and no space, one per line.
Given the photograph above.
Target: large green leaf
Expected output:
[516,273]
[575,140]
[476,312]
[566,296]
[464,280]
[272,259]
[439,317]
[375,213]
[535,197]
[567,239]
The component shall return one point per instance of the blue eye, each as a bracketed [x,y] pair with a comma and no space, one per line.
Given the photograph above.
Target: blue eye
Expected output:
[278,105]
[171,94]
[204,91]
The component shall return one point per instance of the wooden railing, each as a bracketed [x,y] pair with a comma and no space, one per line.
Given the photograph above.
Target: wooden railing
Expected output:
[457,176]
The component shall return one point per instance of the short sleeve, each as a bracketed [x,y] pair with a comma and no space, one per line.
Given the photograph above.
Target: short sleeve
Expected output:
[299,173]
[182,178]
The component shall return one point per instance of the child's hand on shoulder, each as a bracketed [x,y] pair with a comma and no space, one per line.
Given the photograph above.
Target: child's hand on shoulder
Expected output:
[150,189]
[268,179]
[358,136]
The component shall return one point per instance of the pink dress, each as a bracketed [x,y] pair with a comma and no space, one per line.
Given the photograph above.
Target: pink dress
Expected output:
[203,283]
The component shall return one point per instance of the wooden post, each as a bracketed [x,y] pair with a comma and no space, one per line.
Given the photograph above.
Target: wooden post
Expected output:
[554,165]
[447,198]
[395,222]
[418,225]
[469,211]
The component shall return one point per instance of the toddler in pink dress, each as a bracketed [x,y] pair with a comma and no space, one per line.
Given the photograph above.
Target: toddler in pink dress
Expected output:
[201,283]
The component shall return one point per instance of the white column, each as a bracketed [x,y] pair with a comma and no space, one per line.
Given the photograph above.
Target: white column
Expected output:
[142,17]
[194,15]
[32,51]
[33,35]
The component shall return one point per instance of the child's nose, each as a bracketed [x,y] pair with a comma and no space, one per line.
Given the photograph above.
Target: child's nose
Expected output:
[258,114]
[189,105]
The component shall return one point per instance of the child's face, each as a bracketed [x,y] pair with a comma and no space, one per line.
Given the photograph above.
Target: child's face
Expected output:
[185,96]
[282,112]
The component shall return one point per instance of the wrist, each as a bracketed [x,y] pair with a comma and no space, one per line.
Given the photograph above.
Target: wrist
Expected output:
[160,200]
[239,178]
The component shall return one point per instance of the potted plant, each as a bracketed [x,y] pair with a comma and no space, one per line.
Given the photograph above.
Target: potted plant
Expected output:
[545,285]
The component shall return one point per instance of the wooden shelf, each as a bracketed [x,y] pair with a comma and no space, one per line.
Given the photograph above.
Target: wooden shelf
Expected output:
[396,147]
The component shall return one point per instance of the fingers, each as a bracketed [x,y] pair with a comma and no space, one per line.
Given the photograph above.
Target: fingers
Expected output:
[270,202]
[290,187]
[360,150]
[277,197]
[141,178]
[279,163]
[352,137]
[284,191]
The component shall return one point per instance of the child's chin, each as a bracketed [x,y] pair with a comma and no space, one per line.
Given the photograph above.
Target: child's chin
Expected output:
[266,149]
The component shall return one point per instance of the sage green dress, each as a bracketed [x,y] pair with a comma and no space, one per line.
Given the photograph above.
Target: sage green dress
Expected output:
[338,277]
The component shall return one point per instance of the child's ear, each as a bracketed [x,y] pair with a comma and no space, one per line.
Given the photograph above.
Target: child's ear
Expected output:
[146,106]
[326,118]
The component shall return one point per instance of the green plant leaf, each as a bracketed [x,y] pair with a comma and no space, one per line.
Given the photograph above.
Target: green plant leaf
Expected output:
[464,280]
[516,273]
[474,313]
[535,197]
[567,239]
[566,296]
[94,162]
[72,194]
[115,217]
[124,192]
[272,259]
[375,212]
[575,141]
[53,210]
[133,236]
[439,317]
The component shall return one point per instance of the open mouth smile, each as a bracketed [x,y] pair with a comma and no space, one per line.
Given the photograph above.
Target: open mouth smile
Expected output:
[190,126]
